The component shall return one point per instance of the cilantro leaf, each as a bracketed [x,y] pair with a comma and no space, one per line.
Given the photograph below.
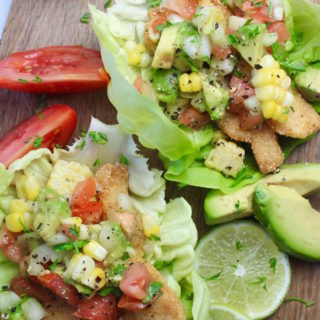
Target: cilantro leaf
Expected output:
[153,290]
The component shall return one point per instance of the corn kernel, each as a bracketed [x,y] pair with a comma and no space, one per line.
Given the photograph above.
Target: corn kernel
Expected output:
[190,82]
[134,57]
[269,108]
[72,221]
[268,62]
[18,205]
[96,279]
[196,82]
[14,222]
[150,226]
[263,78]
[80,266]
[94,250]
[30,187]
[280,76]
[266,93]
[141,48]
[184,83]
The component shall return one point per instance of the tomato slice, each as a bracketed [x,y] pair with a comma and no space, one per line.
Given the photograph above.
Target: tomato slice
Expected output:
[62,69]
[194,119]
[136,281]
[55,126]
[98,308]
[185,8]
[91,213]
[55,284]
[9,246]
[131,304]
[21,286]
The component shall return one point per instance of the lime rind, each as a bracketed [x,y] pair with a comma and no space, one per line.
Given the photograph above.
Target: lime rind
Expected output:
[224,312]
[240,253]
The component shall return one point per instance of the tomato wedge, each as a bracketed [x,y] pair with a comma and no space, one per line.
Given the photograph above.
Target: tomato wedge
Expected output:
[9,246]
[98,308]
[62,69]
[54,126]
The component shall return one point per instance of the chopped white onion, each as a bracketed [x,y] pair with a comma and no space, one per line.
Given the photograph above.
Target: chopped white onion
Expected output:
[278,13]
[174,18]
[277,3]
[145,60]
[57,239]
[191,47]
[83,232]
[288,101]
[130,45]
[33,310]
[140,28]
[205,47]
[8,299]
[270,38]
[40,255]
[236,22]
[253,105]
[223,67]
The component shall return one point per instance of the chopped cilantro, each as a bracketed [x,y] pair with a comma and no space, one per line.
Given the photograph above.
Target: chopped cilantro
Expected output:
[257,4]
[72,245]
[153,290]
[153,3]
[214,277]
[97,163]
[37,142]
[270,9]
[25,229]
[273,264]
[108,3]
[305,302]
[81,144]
[37,79]
[292,109]
[42,101]
[98,137]
[53,265]
[75,230]
[153,237]
[106,291]
[238,73]
[237,205]
[239,246]
[286,111]
[160,265]
[85,18]
[160,27]
[39,114]
[23,80]
[119,269]
[125,256]
[124,160]
[261,280]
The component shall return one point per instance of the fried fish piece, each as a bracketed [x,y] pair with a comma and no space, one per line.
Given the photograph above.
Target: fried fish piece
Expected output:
[303,120]
[264,142]
[167,307]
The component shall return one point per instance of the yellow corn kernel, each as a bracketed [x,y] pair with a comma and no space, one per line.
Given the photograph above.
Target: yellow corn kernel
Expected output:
[269,108]
[279,95]
[96,279]
[14,222]
[184,83]
[264,77]
[72,221]
[30,187]
[190,82]
[266,93]
[18,205]
[134,57]
[268,62]
[95,250]
[150,226]
[284,117]
[195,82]
[280,76]
[141,48]
[278,113]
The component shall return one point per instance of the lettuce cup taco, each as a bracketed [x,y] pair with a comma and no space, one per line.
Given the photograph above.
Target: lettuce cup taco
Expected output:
[90,227]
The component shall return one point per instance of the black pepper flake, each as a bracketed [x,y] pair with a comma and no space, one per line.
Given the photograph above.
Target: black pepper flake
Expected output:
[258,66]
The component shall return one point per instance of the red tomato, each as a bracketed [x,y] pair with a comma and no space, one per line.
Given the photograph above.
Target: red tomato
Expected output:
[194,119]
[55,284]
[249,121]
[136,281]
[9,246]
[21,286]
[54,70]
[156,21]
[282,31]
[131,304]
[83,192]
[91,213]
[242,91]
[98,308]
[56,126]
[260,14]
[185,8]
[220,52]
[138,83]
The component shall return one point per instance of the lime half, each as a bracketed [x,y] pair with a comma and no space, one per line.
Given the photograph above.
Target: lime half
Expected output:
[222,312]
[243,268]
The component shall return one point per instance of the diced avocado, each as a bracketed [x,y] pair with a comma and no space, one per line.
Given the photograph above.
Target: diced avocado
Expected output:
[52,207]
[164,55]
[290,220]
[308,83]
[198,102]
[166,84]
[249,40]
[216,97]
[220,207]
[174,110]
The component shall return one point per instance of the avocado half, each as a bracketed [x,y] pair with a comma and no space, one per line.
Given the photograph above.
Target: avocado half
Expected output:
[220,207]
[308,83]
[289,219]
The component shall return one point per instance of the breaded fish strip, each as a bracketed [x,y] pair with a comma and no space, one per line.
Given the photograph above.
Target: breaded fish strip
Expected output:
[302,120]
[112,182]
[166,307]
[264,142]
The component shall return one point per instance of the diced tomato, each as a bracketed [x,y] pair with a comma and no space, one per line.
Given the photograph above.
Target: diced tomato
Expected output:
[62,69]
[194,119]
[55,127]
[242,90]
[220,52]
[65,229]
[260,14]
[83,192]
[90,213]
[98,308]
[138,83]
[281,29]
[55,284]
[156,21]
[21,286]
[185,8]
[136,281]
[249,121]
[9,246]
[131,304]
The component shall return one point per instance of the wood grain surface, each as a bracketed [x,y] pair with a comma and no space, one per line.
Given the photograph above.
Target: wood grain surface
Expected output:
[38,23]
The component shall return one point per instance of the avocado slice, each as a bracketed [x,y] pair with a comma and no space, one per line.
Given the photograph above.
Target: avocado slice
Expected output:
[220,207]
[290,220]
[166,49]
[308,83]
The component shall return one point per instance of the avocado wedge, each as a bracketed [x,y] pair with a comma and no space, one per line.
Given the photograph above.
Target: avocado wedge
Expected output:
[220,207]
[290,220]
[308,83]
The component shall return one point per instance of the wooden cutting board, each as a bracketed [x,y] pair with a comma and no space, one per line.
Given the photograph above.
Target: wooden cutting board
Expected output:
[39,23]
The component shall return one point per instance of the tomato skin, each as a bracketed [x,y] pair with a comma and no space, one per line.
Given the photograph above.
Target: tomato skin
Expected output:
[98,308]
[55,284]
[259,14]
[61,69]
[185,8]
[220,52]
[83,192]
[21,286]
[56,128]
[9,246]
[249,121]
[91,213]
[194,119]
[138,84]
[131,304]
[281,29]
[136,281]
